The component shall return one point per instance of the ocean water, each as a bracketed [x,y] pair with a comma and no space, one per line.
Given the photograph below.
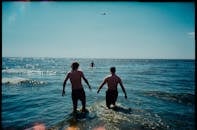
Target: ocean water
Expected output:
[161,94]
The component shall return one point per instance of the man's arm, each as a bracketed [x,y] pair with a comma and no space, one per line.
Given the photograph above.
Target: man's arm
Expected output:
[102,84]
[64,84]
[123,89]
[86,80]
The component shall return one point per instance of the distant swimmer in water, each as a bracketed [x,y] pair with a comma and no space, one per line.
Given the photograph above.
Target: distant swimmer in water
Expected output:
[78,92]
[92,64]
[112,82]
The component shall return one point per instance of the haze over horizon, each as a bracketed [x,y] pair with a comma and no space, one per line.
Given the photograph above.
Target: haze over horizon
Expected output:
[122,30]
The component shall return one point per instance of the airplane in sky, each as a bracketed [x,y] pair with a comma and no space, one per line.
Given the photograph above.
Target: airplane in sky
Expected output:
[103,13]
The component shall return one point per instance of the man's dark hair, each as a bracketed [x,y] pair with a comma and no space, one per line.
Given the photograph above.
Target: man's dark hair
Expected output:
[113,69]
[75,65]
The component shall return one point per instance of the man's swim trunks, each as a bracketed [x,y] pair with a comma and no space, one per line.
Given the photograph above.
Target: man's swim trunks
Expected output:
[111,97]
[78,94]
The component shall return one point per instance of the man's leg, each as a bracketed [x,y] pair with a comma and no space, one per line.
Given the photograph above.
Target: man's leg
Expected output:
[115,96]
[108,99]
[83,100]
[75,106]
[74,99]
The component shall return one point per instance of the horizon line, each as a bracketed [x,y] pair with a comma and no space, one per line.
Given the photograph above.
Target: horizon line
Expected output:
[98,58]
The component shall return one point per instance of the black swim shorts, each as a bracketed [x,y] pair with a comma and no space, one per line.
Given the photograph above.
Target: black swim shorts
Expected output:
[111,97]
[78,94]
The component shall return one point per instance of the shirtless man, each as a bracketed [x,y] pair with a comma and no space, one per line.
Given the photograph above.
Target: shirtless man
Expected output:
[112,82]
[78,92]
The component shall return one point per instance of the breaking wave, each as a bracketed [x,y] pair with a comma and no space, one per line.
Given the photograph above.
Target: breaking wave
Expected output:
[22,81]
[28,72]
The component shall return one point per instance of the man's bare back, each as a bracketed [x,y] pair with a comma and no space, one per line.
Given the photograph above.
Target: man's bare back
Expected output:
[112,81]
[75,79]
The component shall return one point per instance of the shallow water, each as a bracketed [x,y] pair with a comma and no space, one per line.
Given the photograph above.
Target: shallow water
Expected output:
[160,94]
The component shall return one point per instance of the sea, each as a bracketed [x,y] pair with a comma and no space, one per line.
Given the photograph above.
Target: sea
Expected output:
[161,94]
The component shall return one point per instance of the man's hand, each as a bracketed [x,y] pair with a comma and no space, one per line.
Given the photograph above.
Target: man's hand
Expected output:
[90,87]
[125,96]
[63,92]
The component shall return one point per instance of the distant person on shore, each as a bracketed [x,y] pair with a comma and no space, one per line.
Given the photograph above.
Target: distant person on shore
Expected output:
[112,82]
[78,92]
[92,64]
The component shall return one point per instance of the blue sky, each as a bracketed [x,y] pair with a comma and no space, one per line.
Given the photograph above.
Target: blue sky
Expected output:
[79,30]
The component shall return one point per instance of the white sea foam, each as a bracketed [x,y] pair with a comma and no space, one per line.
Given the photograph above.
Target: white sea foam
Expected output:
[14,80]
[28,72]
[19,80]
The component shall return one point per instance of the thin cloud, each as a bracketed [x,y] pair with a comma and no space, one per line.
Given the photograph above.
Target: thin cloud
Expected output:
[12,18]
[23,7]
[191,34]
[45,3]
[21,10]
